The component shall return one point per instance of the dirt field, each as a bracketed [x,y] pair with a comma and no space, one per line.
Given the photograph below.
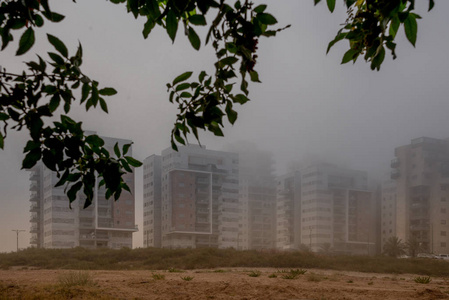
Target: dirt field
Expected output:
[219,284]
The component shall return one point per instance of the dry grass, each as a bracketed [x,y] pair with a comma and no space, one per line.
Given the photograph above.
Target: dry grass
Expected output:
[184,259]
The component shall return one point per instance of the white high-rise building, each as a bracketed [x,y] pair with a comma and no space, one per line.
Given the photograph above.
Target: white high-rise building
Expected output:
[105,223]
[332,208]
[199,199]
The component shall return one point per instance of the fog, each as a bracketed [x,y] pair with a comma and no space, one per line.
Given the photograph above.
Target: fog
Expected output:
[308,105]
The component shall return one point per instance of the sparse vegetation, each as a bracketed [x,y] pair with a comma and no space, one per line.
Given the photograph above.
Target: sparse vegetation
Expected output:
[157,276]
[272,275]
[423,279]
[187,278]
[75,278]
[256,273]
[293,273]
[350,281]
[216,259]
[174,270]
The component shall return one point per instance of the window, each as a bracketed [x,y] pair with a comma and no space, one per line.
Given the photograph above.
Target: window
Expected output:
[443,222]
[443,244]
[443,233]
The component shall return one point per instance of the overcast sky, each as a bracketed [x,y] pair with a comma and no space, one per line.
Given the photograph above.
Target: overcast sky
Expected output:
[308,106]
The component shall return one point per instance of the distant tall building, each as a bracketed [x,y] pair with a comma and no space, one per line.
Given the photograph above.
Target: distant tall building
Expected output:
[257,197]
[198,202]
[106,223]
[331,208]
[152,195]
[417,204]
[288,212]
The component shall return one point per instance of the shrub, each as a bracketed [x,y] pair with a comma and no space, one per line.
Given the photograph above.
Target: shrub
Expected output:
[187,278]
[272,275]
[173,270]
[158,276]
[254,273]
[423,280]
[75,278]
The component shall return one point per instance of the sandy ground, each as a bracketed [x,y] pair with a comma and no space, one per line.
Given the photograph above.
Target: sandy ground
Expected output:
[222,284]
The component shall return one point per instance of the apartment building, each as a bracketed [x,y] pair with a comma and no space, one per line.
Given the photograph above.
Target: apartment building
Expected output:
[288,212]
[152,195]
[421,203]
[199,198]
[257,198]
[106,223]
[325,207]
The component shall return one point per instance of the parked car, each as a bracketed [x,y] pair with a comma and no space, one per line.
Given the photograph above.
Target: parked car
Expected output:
[442,256]
[425,255]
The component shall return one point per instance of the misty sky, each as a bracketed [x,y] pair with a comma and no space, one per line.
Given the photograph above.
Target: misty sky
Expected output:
[308,106]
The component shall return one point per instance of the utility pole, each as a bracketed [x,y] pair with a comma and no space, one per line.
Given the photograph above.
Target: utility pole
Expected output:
[17,233]
[310,237]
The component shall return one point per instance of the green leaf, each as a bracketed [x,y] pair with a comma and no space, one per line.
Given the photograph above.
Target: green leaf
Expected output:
[3,116]
[182,86]
[56,58]
[26,41]
[133,162]
[2,141]
[378,59]
[240,98]
[54,17]
[31,158]
[431,4]
[349,55]
[85,92]
[125,148]
[232,114]
[71,194]
[107,91]
[103,105]
[411,28]
[260,9]
[228,60]
[198,20]
[331,5]
[58,44]
[394,26]
[117,150]
[194,39]
[171,25]
[182,77]
[95,140]
[254,76]
[54,102]
[266,19]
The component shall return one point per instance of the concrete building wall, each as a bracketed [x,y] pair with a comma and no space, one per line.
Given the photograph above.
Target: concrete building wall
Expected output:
[421,176]
[57,224]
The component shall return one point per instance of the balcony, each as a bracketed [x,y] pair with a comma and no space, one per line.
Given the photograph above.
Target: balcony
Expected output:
[394,163]
[34,208]
[34,229]
[34,198]
[34,219]
[34,186]
[395,174]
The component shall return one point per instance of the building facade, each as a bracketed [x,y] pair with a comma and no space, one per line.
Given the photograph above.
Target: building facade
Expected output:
[199,199]
[421,197]
[324,207]
[105,223]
